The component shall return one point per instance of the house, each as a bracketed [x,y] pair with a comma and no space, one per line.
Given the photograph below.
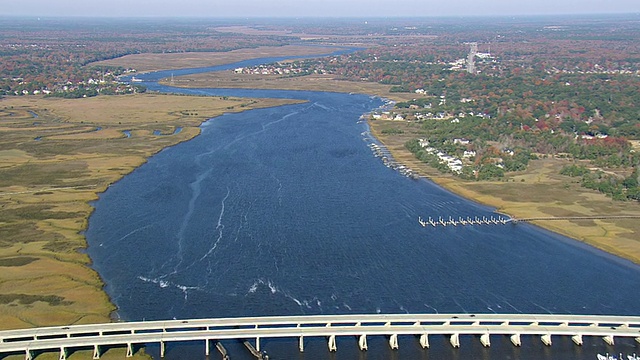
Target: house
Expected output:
[461,141]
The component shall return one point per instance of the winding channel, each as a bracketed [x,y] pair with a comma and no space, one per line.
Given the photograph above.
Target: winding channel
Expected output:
[285,211]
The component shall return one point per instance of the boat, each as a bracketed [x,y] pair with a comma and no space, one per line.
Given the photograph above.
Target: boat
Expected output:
[612,357]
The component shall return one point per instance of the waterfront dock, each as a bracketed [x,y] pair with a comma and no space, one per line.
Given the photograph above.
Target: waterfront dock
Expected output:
[463,221]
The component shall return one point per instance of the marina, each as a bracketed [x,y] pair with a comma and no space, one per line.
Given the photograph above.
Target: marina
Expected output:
[381,151]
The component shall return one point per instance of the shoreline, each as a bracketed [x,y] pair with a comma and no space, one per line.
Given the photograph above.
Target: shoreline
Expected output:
[465,189]
[46,277]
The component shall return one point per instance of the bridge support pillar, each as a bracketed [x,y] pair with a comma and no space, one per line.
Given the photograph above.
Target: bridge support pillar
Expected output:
[301,343]
[258,344]
[28,355]
[222,350]
[63,354]
[608,339]
[577,339]
[424,341]
[206,347]
[332,343]
[129,350]
[515,340]
[162,349]
[455,340]
[638,339]
[393,342]
[96,351]
[546,339]
[484,340]
[362,342]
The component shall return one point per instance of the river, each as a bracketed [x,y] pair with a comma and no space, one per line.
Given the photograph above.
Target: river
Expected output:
[286,211]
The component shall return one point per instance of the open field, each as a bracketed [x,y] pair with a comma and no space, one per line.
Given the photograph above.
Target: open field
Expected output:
[342,38]
[57,155]
[537,192]
[229,79]
[168,61]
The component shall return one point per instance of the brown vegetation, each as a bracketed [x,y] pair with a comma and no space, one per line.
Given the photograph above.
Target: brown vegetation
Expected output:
[228,79]
[52,166]
[154,62]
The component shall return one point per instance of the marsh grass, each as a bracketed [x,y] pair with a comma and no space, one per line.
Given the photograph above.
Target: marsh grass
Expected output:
[46,186]
[228,79]
[25,299]
[17,261]
[154,62]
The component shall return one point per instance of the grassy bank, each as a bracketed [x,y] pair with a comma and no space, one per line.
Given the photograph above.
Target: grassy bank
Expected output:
[540,191]
[57,155]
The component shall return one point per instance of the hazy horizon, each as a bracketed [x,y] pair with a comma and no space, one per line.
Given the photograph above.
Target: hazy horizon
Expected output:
[312,8]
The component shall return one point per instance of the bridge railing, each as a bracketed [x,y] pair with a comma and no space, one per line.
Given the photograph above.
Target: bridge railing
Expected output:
[390,325]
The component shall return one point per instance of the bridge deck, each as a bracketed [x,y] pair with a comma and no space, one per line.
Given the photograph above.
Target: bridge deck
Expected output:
[126,334]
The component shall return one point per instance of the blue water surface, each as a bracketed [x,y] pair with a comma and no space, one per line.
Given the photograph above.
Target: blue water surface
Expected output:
[285,211]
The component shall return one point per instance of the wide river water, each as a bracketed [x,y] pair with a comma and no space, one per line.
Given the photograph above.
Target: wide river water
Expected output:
[286,211]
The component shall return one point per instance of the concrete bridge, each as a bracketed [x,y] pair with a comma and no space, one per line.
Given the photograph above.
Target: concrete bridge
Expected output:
[423,326]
